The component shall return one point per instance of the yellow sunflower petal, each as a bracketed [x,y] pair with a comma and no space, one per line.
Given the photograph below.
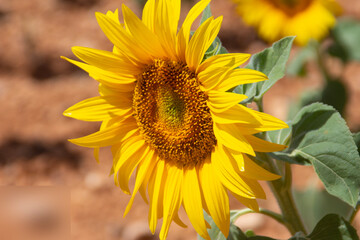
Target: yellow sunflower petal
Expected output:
[250,169]
[148,15]
[108,136]
[121,39]
[228,135]
[193,202]
[216,198]
[235,114]
[184,33]
[221,101]
[201,41]
[168,14]
[156,185]
[173,199]
[126,90]
[145,182]
[230,60]
[103,125]
[113,15]
[227,174]
[144,169]
[100,108]
[270,123]
[127,158]
[209,79]
[143,36]
[230,166]
[102,59]
[178,221]
[250,203]
[115,80]
[260,145]
[239,76]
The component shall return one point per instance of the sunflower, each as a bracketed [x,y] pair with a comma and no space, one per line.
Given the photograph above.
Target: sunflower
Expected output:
[166,113]
[305,19]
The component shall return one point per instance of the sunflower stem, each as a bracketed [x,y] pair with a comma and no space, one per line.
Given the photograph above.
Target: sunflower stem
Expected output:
[353,214]
[282,190]
[321,64]
[273,215]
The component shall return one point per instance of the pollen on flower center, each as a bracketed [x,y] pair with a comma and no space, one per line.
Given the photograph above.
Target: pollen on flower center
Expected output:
[171,112]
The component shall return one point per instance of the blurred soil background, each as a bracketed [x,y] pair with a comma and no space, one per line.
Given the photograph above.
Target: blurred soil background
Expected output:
[36,86]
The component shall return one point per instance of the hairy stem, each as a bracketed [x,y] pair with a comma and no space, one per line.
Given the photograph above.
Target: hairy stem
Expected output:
[281,189]
[353,214]
[263,211]
[282,192]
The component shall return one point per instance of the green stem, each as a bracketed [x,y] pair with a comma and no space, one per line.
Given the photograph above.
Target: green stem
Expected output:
[321,64]
[282,192]
[263,211]
[353,214]
[281,189]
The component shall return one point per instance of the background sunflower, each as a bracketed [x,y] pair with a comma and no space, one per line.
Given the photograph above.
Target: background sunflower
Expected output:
[274,19]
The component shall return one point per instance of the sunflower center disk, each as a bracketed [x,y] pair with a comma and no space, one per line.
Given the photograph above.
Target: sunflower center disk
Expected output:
[291,7]
[171,112]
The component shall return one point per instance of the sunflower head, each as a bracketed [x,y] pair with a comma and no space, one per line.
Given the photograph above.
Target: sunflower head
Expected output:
[167,113]
[275,19]
[171,112]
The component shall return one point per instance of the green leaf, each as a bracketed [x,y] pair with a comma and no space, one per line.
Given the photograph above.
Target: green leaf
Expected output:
[298,236]
[315,203]
[320,137]
[281,136]
[335,94]
[272,62]
[356,137]
[333,227]
[346,35]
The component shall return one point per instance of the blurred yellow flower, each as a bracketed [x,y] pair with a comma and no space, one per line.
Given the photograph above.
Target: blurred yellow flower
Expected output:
[167,113]
[305,19]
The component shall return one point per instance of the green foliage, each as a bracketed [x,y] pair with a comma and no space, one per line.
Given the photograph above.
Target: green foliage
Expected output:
[333,227]
[334,93]
[272,62]
[281,136]
[306,98]
[356,137]
[346,35]
[330,227]
[321,138]
[315,203]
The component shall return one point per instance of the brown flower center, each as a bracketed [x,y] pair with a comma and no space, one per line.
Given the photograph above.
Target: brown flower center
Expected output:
[291,7]
[171,112]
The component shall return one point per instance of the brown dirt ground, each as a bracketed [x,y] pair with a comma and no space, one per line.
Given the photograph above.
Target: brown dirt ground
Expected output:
[36,86]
